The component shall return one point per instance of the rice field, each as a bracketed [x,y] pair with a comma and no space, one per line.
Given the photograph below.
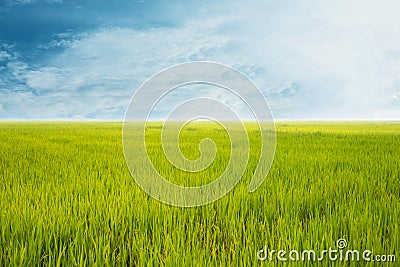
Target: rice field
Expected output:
[67,197]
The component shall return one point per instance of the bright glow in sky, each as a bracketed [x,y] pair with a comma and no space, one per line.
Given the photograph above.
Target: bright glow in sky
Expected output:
[312,59]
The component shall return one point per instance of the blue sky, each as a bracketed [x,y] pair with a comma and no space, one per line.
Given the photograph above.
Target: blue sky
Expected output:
[312,59]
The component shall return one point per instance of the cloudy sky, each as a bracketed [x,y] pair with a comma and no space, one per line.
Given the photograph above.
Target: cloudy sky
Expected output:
[66,59]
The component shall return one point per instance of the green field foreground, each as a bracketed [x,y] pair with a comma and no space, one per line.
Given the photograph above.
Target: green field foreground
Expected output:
[67,198]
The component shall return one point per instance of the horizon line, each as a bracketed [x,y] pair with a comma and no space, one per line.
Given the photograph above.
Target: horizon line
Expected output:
[160,120]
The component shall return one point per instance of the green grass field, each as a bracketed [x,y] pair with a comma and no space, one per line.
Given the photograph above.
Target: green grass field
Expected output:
[67,198]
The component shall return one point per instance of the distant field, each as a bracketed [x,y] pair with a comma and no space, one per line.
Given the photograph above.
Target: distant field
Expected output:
[67,198]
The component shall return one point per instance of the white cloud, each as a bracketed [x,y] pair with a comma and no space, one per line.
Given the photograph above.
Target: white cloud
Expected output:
[96,75]
[44,78]
[4,56]
[334,59]
[344,56]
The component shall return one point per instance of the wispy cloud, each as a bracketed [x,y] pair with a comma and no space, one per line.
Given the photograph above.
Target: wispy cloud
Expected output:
[97,73]
[312,60]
